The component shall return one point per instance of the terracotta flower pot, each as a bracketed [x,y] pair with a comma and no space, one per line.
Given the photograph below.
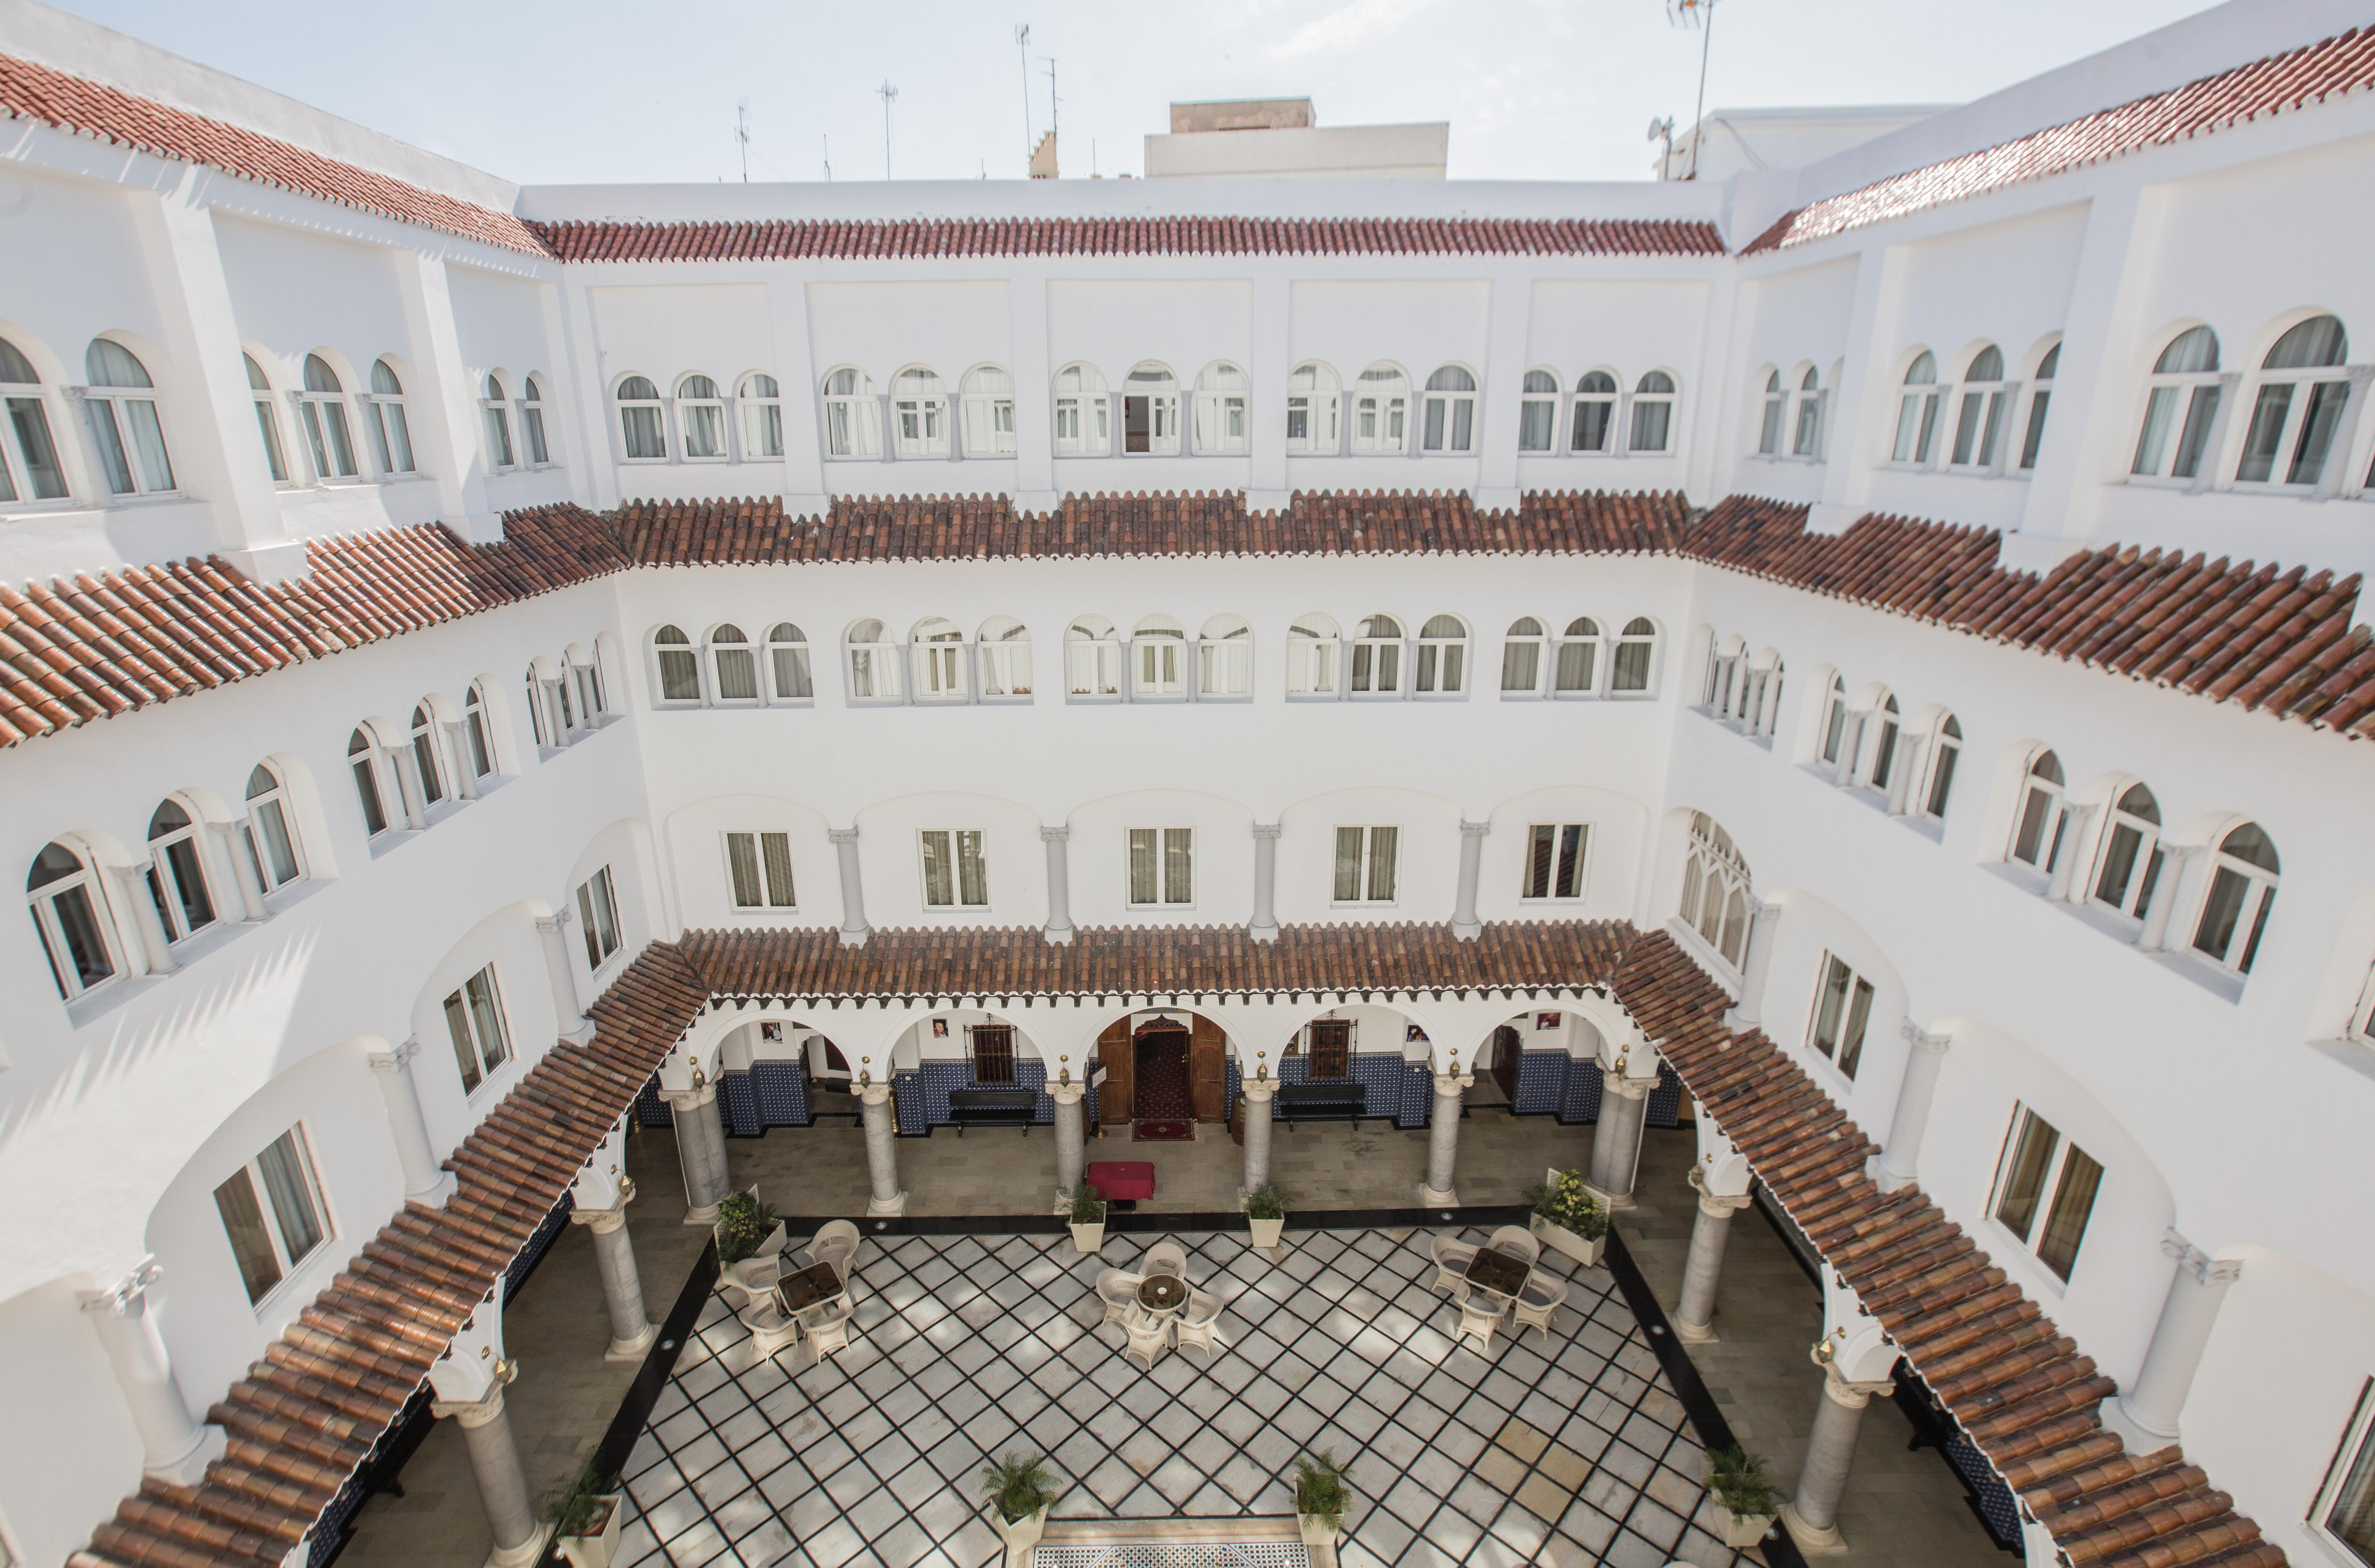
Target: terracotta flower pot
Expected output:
[597,1547]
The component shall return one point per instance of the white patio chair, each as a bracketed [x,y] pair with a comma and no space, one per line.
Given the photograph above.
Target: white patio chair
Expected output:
[1199,1326]
[1538,1302]
[1165,1257]
[1149,1336]
[1517,1242]
[1478,1315]
[770,1329]
[1451,1259]
[835,1242]
[828,1328]
[1119,1290]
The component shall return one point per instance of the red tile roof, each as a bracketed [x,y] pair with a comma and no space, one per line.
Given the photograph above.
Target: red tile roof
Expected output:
[29,91]
[2274,85]
[922,239]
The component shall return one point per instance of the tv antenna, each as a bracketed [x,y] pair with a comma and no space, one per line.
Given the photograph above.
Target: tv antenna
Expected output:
[828,158]
[1022,44]
[1699,14]
[1052,100]
[742,135]
[889,95]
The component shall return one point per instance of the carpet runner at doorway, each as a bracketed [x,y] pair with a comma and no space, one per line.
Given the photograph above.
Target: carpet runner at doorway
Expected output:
[1162,1132]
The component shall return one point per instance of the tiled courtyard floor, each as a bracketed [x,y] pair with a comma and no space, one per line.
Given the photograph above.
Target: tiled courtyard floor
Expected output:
[1569,1450]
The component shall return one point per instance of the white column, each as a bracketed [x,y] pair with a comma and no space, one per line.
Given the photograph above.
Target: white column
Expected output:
[407,787]
[424,1182]
[1442,1141]
[1764,926]
[882,1150]
[440,404]
[2074,818]
[155,950]
[2177,862]
[2155,1400]
[1916,1093]
[1843,772]
[554,930]
[173,1446]
[1465,926]
[1034,391]
[854,929]
[1059,882]
[465,772]
[242,869]
[623,1284]
[1864,403]
[1703,1270]
[1616,1139]
[1499,379]
[1071,1135]
[495,1464]
[797,378]
[1259,1093]
[1264,921]
[1911,749]
[2090,429]
[700,1150]
[1812,1514]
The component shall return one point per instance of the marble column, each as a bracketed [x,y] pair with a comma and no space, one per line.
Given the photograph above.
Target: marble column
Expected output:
[1812,1514]
[1259,1092]
[423,1181]
[495,1464]
[1059,882]
[700,1150]
[173,1446]
[1616,1140]
[1764,926]
[554,930]
[1443,1140]
[1916,1093]
[1464,923]
[1694,1314]
[623,1284]
[2154,1401]
[1072,1134]
[1264,921]
[854,929]
[882,1149]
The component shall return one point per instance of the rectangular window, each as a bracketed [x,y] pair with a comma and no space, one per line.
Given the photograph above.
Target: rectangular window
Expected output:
[955,876]
[1162,865]
[1842,1012]
[2344,1514]
[1331,1048]
[597,915]
[1555,856]
[1365,863]
[474,1017]
[272,1211]
[2045,1177]
[760,866]
[993,1051]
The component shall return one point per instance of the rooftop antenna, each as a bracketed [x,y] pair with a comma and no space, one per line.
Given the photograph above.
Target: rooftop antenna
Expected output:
[1665,128]
[828,158]
[889,95]
[1052,100]
[1699,14]
[1022,45]
[742,135]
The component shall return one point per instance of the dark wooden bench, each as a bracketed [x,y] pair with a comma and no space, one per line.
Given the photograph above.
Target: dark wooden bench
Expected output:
[993,1108]
[1330,1102]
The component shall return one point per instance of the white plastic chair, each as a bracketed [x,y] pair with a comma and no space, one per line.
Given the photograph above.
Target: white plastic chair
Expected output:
[1199,1326]
[753,1277]
[1480,1313]
[1149,1336]
[837,1242]
[1517,1242]
[828,1328]
[1166,1258]
[1451,1259]
[1119,1290]
[1538,1302]
[770,1329]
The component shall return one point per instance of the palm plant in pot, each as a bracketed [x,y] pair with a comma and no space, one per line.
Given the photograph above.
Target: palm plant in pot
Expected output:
[1567,1218]
[1321,1497]
[1266,1214]
[1018,1491]
[1743,1495]
[1088,1217]
[585,1511]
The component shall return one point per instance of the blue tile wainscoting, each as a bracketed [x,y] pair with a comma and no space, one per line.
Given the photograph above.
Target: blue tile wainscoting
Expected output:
[1378,1073]
[922,1093]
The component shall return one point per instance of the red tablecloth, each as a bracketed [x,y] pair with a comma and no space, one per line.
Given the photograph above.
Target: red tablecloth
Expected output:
[1121,1178]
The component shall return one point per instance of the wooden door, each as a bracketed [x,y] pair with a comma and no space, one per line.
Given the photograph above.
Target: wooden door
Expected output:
[1507,1044]
[1117,1053]
[1208,1069]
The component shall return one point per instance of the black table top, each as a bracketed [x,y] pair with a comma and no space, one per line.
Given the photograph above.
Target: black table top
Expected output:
[1498,1272]
[817,1283]
[1161,1292]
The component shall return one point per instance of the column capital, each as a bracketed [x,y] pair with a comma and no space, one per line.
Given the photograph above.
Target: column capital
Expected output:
[1850,1392]
[395,1058]
[552,924]
[1625,1084]
[1259,1090]
[841,836]
[1268,829]
[602,1221]
[1474,829]
[1920,1039]
[1047,835]
[1451,1085]
[2205,1270]
[119,1297]
[1715,1205]
[480,1412]
[1067,1093]
[685,1100]
[874,1093]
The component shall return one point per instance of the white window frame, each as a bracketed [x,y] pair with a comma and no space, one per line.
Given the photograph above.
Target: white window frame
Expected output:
[1813,406]
[2178,405]
[919,414]
[1591,680]
[1366,865]
[2052,1184]
[989,431]
[759,407]
[85,880]
[1568,867]
[1934,791]
[1538,642]
[1166,871]
[762,860]
[791,666]
[363,764]
[277,801]
[1838,1025]
[853,417]
[495,426]
[1628,638]
[1768,429]
[172,881]
[1002,652]
[1224,663]
[536,451]
[1159,393]
[2305,388]
[650,412]
[2354,1453]
[1760,698]
[1374,666]
[21,401]
[428,757]
[479,1028]
[1914,443]
[119,413]
[2255,901]
[1439,665]
[2049,796]
[876,666]
[2146,864]
[1381,421]
[1880,744]
[943,664]
[1314,662]
[1083,425]
[2040,401]
[1093,664]
[701,412]
[1223,411]
[387,425]
[689,662]
[733,674]
[1313,395]
[1982,416]
[273,1223]
[955,846]
[1645,397]
[1162,662]
[1718,899]
[598,917]
[267,424]
[584,676]
[1448,420]
[1598,395]
[1538,412]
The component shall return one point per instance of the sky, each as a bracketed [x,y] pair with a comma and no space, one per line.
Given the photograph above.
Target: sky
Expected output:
[545,92]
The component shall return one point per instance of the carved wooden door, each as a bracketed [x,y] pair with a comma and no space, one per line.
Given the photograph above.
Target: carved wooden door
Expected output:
[1208,1068]
[1118,1055]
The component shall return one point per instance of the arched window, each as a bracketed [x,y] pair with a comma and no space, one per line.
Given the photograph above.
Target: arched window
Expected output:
[124,421]
[874,664]
[2184,378]
[1091,659]
[1716,889]
[1377,658]
[259,387]
[1159,658]
[1538,411]
[321,409]
[1769,436]
[2036,826]
[1653,413]
[1833,728]
[1636,651]
[1808,440]
[1595,412]
[1380,410]
[761,401]
[363,758]
[679,670]
[1221,416]
[700,418]
[1916,411]
[586,677]
[1945,749]
[1978,419]
[531,412]
[1577,669]
[548,696]
[66,910]
[940,661]
[1311,648]
[495,418]
[988,412]
[1005,646]
[1150,411]
[425,760]
[2041,395]
[919,413]
[1521,658]
[272,843]
[1082,413]
[1450,424]
[1442,666]
[1886,727]
[1723,681]
[28,458]
[1225,658]
[2243,873]
[853,419]
[732,664]
[2128,859]
[2303,386]
[788,664]
[177,872]
[1312,401]
[1760,703]
[640,421]
[391,436]
[478,732]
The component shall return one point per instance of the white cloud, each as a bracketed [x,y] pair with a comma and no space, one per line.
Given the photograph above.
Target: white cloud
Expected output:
[1355,22]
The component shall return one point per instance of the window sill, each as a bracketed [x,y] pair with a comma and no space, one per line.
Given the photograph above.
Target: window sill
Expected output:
[2358,1056]
[1439,696]
[149,498]
[108,995]
[391,840]
[771,913]
[1000,700]
[1717,967]
[1160,908]
[1361,903]
[2183,962]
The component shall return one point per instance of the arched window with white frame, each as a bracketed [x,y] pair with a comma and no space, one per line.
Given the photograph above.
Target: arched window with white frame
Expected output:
[1225,658]
[1439,666]
[362,761]
[1716,889]
[1521,658]
[1158,659]
[274,848]
[733,667]
[940,665]
[643,427]
[700,418]
[385,420]
[1450,423]
[1945,750]
[177,871]
[1376,663]
[1083,413]
[680,670]
[1313,399]
[427,760]
[1917,412]
[1768,431]
[29,454]
[322,410]
[70,912]
[479,732]
[2243,875]
[1594,426]
[1724,685]
[788,674]
[2303,388]
[853,417]
[1833,726]
[259,387]
[1760,703]
[531,415]
[1150,411]
[2040,397]
[1577,670]
[1807,440]
[1538,411]
[119,406]
[1633,665]
[1092,660]
[1222,416]
[760,402]
[874,664]
[1004,645]
[495,423]
[2038,822]
[1312,645]
[1979,415]
[919,413]
[1381,410]
[584,677]
[988,412]
[2184,383]
[1887,724]
[1653,413]
[2128,853]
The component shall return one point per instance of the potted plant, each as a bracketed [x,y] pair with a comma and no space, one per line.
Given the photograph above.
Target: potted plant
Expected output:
[1321,1497]
[745,1228]
[1266,1215]
[1018,1491]
[1743,1495]
[1567,1218]
[1088,1219]
[585,1511]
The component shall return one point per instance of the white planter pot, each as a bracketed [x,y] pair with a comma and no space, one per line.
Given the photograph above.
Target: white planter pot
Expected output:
[1560,1238]
[1318,1531]
[1020,1535]
[1266,1231]
[596,1549]
[1087,1239]
[1742,1529]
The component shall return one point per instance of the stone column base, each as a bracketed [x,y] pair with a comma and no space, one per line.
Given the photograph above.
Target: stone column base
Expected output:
[190,1470]
[632,1350]
[528,1552]
[1430,1198]
[1612,1201]
[1694,1333]
[1812,1541]
[704,1216]
[880,1208]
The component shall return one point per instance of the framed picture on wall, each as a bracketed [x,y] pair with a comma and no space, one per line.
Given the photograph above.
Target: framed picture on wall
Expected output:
[1546,1020]
[773,1033]
[1414,1035]
[940,1029]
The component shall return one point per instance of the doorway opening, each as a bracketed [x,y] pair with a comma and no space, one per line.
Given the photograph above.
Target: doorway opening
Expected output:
[1161,1089]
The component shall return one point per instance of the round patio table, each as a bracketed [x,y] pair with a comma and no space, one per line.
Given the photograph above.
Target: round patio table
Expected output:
[1161,1294]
